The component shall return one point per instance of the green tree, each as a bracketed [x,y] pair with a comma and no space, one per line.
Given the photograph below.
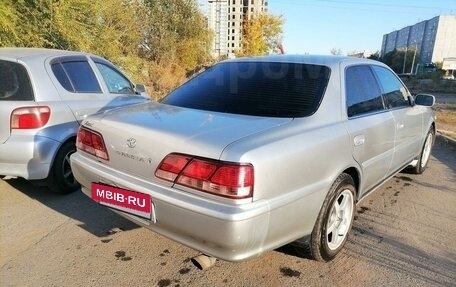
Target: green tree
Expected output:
[395,60]
[8,22]
[261,34]
[375,56]
[176,31]
[155,41]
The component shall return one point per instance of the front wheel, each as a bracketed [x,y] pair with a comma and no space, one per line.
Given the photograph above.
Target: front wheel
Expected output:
[425,153]
[334,221]
[61,179]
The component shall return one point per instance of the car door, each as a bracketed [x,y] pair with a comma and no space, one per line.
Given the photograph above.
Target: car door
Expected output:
[77,84]
[370,125]
[408,119]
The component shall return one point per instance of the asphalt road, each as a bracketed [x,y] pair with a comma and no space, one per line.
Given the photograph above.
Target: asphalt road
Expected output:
[404,235]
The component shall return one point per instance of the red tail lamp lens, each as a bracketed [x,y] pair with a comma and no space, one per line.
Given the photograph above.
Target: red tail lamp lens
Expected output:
[30,117]
[227,179]
[92,143]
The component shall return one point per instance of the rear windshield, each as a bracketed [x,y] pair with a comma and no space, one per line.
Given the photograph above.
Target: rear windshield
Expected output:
[266,89]
[14,82]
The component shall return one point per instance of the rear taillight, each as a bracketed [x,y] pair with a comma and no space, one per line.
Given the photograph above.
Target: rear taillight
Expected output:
[91,142]
[233,180]
[30,117]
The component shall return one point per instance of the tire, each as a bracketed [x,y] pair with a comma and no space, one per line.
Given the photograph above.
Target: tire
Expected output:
[61,179]
[425,153]
[334,221]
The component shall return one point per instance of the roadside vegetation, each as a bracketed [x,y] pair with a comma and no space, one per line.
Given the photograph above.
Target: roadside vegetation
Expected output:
[157,42]
[445,110]
[446,118]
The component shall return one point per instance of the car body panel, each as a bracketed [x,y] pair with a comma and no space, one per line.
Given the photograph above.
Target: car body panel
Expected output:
[295,161]
[164,129]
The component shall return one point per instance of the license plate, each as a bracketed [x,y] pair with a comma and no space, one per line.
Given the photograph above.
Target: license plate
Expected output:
[129,201]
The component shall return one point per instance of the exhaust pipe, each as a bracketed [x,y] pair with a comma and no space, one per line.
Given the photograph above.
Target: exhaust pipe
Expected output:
[203,262]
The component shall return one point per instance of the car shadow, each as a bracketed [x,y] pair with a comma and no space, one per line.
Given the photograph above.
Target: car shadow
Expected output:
[442,149]
[92,217]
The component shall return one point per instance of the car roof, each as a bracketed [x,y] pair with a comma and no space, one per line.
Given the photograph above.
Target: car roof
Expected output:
[327,60]
[28,53]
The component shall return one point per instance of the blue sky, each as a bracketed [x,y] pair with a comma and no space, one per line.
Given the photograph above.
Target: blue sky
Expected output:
[317,26]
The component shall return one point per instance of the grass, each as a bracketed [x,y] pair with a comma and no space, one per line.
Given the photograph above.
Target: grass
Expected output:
[446,119]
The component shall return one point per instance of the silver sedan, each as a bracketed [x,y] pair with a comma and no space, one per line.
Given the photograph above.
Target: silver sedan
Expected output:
[256,153]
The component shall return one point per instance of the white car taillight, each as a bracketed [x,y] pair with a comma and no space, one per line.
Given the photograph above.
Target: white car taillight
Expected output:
[92,143]
[30,117]
[227,179]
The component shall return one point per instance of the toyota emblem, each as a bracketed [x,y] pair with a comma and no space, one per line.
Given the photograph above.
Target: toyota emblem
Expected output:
[131,142]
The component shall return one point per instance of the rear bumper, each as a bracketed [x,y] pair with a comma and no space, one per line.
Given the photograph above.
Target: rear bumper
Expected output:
[27,156]
[228,232]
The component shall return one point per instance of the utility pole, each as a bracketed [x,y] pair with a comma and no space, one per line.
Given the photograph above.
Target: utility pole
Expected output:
[414,55]
[405,58]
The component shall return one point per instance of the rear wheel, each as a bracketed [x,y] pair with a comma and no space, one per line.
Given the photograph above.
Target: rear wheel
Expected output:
[334,221]
[425,154]
[61,179]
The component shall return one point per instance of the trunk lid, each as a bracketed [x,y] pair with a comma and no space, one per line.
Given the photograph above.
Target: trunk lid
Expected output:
[139,137]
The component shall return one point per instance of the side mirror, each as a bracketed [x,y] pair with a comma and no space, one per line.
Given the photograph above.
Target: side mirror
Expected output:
[140,88]
[425,100]
[411,100]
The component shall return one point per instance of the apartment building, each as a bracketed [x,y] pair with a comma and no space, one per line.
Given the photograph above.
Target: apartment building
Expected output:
[225,18]
[434,39]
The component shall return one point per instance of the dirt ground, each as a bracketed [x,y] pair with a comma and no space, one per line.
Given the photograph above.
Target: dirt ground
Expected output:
[403,235]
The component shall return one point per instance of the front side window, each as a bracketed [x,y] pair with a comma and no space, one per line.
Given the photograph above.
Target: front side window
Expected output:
[266,89]
[14,82]
[363,95]
[76,76]
[393,90]
[116,82]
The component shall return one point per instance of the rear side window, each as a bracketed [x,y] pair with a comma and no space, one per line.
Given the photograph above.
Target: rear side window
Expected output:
[115,81]
[255,88]
[393,90]
[363,95]
[14,82]
[76,76]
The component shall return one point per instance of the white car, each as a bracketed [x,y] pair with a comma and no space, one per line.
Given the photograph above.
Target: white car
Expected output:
[44,95]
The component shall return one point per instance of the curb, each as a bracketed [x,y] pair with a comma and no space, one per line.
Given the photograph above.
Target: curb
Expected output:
[447,138]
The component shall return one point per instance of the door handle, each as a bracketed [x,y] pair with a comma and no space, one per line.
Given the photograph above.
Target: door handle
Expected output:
[359,140]
[400,126]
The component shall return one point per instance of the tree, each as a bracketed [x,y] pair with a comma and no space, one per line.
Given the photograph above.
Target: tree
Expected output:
[261,34]
[8,22]
[176,31]
[336,51]
[154,41]
[375,56]
[400,61]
